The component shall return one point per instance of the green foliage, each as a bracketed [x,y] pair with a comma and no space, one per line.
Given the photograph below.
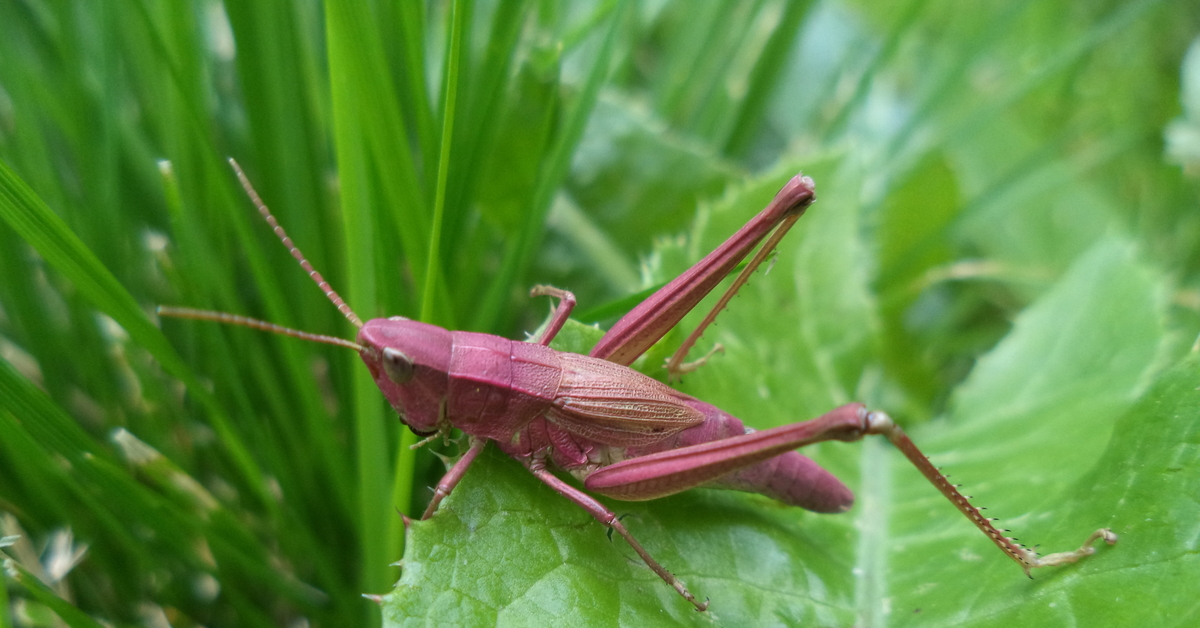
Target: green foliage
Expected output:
[1002,255]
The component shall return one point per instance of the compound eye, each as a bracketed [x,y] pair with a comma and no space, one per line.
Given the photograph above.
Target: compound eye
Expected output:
[399,367]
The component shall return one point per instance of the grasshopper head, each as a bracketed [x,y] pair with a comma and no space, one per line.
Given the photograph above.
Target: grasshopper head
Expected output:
[409,361]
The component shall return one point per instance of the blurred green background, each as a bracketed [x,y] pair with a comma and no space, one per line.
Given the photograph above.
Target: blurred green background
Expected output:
[1005,255]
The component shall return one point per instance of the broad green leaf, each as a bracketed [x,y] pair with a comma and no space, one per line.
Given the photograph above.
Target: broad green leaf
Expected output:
[1035,414]
[1139,487]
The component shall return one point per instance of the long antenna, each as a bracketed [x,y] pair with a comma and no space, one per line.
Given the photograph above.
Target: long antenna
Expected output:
[292,248]
[254,323]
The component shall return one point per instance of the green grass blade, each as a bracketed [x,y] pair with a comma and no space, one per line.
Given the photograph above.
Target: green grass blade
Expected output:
[764,77]
[519,255]
[47,233]
[66,611]
[433,278]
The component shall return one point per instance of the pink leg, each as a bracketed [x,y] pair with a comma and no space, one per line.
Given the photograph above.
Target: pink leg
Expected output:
[566,303]
[676,366]
[880,423]
[654,317]
[668,472]
[608,519]
[454,475]
[675,470]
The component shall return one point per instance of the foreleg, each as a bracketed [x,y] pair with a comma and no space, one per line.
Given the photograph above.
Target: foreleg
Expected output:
[566,303]
[454,475]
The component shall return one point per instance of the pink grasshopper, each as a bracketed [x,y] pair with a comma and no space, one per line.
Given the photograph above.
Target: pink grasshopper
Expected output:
[622,434]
